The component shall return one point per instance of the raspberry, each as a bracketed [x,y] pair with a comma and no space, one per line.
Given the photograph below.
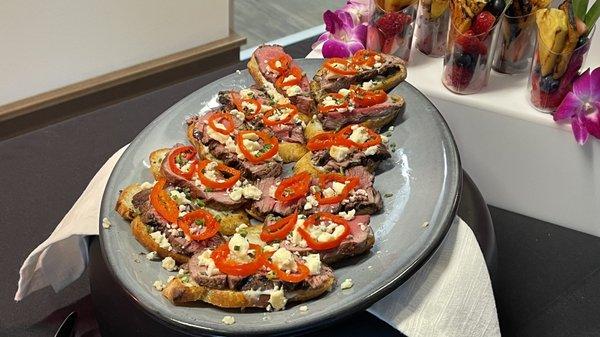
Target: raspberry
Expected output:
[459,77]
[470,44]
[393,23]
[483,23]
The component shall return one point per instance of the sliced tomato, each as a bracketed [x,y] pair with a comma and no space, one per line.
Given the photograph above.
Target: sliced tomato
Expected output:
[199,219]
[365,98]
[231,176]
[343,134]
[270,146]
[341,103]
[162,202]
[322,141]
[314,220]
[300,275]
[280,229]
[221,257]
[340,66]
[181,156]
[224,119]
[283,82]
[364,57]
[248,113]
[327,178]
[284,63]
[277,109]
[293,188]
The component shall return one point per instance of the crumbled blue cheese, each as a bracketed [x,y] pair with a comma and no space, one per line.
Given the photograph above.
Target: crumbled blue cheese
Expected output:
[329,192]
[152,256]
[158,285]
[238,114]
[284,259]
[328,101]
[303,308]
[270,248]
[228,320]
[247,93]
[338,187]
[347,284]
[247,191]
[146,185]
[313,263]
[204,259]
[344,91]
[277,299]
[369,84]
[384,139]
[161,240]
[106,223]
[169,264]
[348,215]
[274,94]
[311,202]
[219,137]
[359,134]
[339,153]
[179,197]
[294,236]
[272,190]
[293,90]
[371,150]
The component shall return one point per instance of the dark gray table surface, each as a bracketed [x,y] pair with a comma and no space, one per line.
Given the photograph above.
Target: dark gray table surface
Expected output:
[547,280]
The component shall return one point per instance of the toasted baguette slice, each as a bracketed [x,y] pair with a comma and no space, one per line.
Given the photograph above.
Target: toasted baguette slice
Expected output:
[178,292]
[313,128]
[291,152]
[141,232]
[124,203]
[378,123]
[305,165]
[156,159]
[254,71]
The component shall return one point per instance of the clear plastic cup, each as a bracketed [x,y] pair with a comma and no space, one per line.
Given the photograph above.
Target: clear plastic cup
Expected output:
[391,27]
[433,19]
[548,82]
[515,44]
[468,59]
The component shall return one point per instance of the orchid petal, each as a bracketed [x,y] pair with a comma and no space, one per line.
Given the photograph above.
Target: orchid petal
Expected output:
[332,22]
[595,87]
[581,86]
[579,131]
[591,122]
[359,33]
[324,37]
[354,46]
[335,48]
[345,18]
[569,107]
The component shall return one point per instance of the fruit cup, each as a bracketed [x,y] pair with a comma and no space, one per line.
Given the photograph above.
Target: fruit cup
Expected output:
[468,57]
[391,27]
[549,82]
[432,27]
[515,44]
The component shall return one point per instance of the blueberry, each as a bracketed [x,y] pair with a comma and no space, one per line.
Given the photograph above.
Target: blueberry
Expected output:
[495,7]
[464,60]
[537,69]
[582,40]
[548,84]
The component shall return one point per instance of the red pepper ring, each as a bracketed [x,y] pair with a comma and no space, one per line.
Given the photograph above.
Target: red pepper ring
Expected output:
[284,63]
[281,81]
[300,275]
[322,141]
[285,120]
[324,179]
[221,257]
[267,139]
[220,117]
[280,229]
[364,57]
[248,115]
[234,176]
[343,134]
[347,67]
[209,223]
[172,160]
[162,202]
[365,98]
[312,221]
[293,188]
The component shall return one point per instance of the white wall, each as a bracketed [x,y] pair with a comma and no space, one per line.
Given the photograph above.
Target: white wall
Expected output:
[45,45]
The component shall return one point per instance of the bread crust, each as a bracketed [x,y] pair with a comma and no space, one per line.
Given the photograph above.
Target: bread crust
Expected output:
[141,232]
[156,159]
[124,204]
[291,152]
[305,164]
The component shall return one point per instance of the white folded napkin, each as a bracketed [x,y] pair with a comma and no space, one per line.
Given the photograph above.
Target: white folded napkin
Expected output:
[451,295]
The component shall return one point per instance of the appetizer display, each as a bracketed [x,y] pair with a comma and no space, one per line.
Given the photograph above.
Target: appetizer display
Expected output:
[467,62]
[276,185]
[517,37]
[562,44]
[391,27]
[432,27]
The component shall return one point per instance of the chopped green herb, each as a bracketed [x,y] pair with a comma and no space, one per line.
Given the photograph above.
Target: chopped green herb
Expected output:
[198,202]
[388,195]
[208,189]
[199,222]
[243,232]
[236,248]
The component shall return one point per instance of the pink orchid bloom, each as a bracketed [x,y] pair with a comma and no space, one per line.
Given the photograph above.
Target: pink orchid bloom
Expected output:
[582,106]
[345,31]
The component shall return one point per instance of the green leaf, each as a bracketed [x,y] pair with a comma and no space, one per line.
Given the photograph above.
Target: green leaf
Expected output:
[592,15]
[579,8]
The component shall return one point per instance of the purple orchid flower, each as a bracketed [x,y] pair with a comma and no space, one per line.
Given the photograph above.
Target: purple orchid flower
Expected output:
[343,36]
[582,106]
[360,10]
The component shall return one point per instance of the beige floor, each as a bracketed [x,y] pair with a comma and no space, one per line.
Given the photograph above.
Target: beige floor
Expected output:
[265,20]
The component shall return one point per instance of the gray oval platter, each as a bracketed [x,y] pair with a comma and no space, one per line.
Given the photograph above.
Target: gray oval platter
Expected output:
[423,177]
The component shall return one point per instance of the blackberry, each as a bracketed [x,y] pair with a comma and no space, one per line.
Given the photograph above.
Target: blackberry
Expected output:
[465,60]
[548,84]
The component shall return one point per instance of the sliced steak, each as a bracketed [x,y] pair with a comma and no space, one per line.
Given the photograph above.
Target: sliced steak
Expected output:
[360,240]
[322,159]
[326,81]
[215,281]
[291,133]
[336,120]
[269,205]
